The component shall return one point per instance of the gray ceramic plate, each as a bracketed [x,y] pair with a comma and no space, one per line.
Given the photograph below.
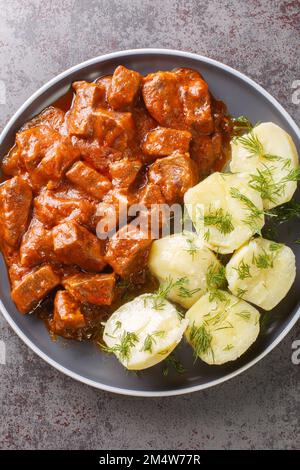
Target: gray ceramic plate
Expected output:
[85,362]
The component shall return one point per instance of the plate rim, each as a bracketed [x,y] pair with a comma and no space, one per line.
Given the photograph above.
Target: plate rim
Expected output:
[28,102]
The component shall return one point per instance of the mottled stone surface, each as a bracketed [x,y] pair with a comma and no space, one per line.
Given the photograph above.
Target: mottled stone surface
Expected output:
[40,408]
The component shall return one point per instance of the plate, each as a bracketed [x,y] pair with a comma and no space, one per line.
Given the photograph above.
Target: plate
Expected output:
[84,361]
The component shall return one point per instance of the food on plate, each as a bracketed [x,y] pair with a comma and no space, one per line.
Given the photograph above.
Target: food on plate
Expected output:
[144,332]
[184,261]
[262,272]
[225,210]
[221,327]
[91,199]
[269,155]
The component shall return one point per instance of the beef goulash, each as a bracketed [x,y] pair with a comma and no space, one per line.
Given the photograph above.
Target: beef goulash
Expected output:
[123,139]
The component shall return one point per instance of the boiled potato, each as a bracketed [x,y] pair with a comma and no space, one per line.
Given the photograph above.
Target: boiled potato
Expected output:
[221,327]
[269,154]
[183,256]
[262,272]
[225,211]
[144,332]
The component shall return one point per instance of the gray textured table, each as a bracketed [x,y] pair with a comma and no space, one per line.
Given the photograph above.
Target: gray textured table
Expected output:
[40,408]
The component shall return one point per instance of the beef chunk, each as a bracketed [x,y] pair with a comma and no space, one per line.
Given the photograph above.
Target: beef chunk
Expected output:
[205,151]
[95,289]
[179,100]
[34,287]
[105,84]
[52,117]
[162,141]
[54,207]
[95,155]
[81,116]
[124,89]
[114,129]
[89,180]
[74,244]
[45,153]
[174,175]
[124,172]
[67,314]
[15,204]
[144,122]
[127,251]
[37,245]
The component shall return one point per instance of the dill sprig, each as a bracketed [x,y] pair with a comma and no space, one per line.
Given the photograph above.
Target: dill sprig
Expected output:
[243,270]
[252,143]
[172,361]
[159,297]
[215,276]
[263,260]
[218,295]
[201,340]
[263,182]
[254,213]
[186,293]
[220,219]
[244,314]
[240,292]
[150,340]
[192,247]
[241,125]
[127,341]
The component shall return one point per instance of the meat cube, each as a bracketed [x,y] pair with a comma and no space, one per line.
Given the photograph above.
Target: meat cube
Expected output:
[114,129]
[124,172]
[205,151]
[89,180]
[174,175]
[95,155]
[52,117]
[179,100]
[105,84]
[15,204]
[37,245]
[34,287]
[95,289]
[33,143]
[162,141]
[124,89]
[127,251]
[154,211]
[196,100]
[67,314]
[81,116]
[58,158]
[144,122]
[74,244]
[45,153]
[12,164]
[54,207]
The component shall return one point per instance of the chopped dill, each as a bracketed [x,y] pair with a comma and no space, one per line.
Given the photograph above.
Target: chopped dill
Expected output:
[240,292]
[252,143]
[244,314]
[255,213]
[243,270]
[218,295]
[150,340]
[220,219]
[215,276]
[263,260]
[192,247]
[241,125]
[127,341]
[228,347]
[201,340]
[159,297]
[172,361]
[185,293]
